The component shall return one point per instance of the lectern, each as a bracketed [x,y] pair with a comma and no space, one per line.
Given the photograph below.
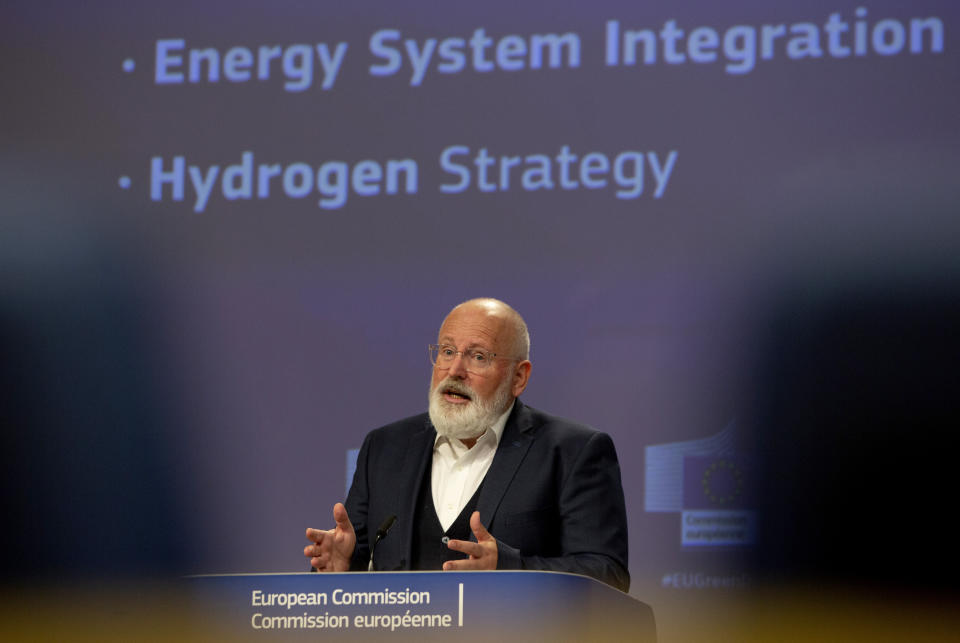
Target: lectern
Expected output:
[449,606]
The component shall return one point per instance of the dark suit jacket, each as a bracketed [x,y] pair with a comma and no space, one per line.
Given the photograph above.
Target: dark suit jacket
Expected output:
[552,497]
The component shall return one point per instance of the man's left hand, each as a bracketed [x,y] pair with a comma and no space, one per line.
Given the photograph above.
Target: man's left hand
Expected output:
[483,553]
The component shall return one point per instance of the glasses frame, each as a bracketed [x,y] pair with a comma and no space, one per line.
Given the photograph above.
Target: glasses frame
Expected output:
[469,365]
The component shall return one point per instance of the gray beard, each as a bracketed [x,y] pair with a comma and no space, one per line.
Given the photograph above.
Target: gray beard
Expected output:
[470,420]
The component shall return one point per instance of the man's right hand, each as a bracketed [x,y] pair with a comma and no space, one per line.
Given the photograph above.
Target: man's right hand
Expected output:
[331,549]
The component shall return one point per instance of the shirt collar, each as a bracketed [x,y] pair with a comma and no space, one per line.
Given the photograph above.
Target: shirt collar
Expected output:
[494,432]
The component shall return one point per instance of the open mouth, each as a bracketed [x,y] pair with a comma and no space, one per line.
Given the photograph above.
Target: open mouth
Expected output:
[455,394]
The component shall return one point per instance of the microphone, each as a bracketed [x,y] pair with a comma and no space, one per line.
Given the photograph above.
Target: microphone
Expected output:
[384,528]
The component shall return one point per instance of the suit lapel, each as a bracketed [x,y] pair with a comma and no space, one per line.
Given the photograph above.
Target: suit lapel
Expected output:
[514,444]
[418,456]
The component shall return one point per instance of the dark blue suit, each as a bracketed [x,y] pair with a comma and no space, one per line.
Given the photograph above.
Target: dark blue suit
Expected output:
[552,497]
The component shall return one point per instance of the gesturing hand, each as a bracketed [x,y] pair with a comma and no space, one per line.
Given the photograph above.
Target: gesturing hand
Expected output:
[332,548]
[483,553]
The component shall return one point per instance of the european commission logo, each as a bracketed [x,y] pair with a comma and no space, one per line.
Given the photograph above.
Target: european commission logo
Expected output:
[709,484]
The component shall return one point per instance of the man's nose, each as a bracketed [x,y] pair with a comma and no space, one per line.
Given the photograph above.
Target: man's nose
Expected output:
[458,367]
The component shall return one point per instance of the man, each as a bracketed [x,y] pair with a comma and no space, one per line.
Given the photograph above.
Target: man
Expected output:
[534,491]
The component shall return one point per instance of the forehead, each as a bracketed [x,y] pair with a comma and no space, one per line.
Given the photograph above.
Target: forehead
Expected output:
[470,326]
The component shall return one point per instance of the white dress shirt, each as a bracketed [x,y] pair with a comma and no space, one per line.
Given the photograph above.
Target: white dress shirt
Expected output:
[458,471]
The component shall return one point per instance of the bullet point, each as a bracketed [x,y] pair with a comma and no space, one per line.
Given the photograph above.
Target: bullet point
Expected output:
[124,182]
[129,65]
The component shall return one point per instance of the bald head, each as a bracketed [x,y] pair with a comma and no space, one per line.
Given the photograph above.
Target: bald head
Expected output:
[512,337]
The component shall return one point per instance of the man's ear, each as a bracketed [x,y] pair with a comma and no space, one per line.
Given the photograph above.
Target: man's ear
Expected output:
[521,375]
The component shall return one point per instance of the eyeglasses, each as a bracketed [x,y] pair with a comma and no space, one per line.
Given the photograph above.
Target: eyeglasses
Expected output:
[475,360]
